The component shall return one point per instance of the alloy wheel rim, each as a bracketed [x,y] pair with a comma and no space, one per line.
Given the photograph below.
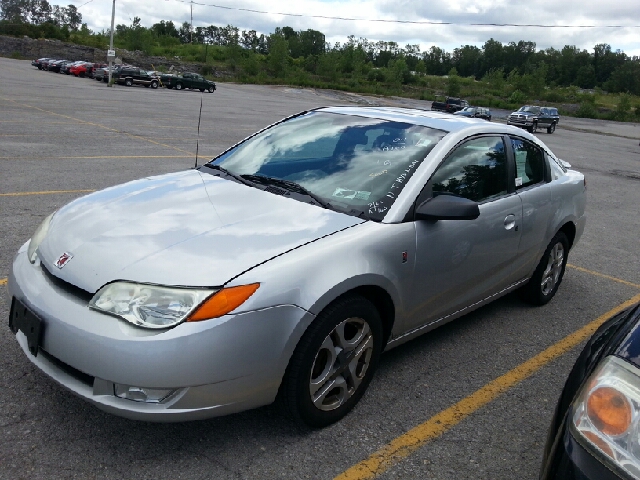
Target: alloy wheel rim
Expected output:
[552,272]
[341,364]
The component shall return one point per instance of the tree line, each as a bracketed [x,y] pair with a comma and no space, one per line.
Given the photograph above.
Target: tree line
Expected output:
[287,51]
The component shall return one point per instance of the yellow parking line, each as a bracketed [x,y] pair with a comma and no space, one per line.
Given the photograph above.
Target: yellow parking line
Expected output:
[407,443]
[3,281]
[140,137]
[45,192]
[598,274]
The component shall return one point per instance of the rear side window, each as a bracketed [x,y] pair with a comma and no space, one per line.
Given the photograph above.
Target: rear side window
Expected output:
[476,170]
[529,163]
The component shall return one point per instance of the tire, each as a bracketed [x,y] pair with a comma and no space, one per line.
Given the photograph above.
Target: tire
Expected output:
[534,127]
[211,89]
[128,82]
[178,86]
[547,277]
[322,383]
[552,128]
[154,84]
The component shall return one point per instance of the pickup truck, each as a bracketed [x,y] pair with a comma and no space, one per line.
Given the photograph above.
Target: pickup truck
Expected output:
[450,105]
[532,117]
[188,80]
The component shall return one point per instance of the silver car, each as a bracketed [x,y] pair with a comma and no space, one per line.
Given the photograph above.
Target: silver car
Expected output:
[286,265]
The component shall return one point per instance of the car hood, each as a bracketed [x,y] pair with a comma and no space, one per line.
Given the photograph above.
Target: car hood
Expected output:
[526,114]
[186,228]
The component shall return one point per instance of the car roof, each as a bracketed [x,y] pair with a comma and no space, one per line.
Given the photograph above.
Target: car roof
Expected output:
[438,120]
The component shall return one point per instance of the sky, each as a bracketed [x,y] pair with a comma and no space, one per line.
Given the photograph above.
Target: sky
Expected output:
[623,14]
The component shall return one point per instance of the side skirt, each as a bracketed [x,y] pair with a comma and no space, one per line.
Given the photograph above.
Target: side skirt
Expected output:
[427,327]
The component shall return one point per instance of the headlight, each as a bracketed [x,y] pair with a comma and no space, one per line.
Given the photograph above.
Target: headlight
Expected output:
[38,237]
[607,414]
[153,306]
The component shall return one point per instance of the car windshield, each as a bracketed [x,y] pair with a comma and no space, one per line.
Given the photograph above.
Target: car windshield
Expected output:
[352,164]
[469,109]
[529,109]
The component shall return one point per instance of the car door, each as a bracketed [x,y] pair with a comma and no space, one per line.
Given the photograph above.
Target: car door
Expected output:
[461,262]
[532,177]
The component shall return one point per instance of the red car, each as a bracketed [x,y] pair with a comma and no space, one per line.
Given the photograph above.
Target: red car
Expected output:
[82,69]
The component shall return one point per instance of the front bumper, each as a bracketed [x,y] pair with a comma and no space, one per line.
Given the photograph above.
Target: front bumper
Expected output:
[528,122]
[218,366]
[572,461]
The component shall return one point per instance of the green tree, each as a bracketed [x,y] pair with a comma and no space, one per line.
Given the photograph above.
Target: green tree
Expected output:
[278,54]
[453,83]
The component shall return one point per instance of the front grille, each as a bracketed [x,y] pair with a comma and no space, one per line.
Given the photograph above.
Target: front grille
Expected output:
[66,286]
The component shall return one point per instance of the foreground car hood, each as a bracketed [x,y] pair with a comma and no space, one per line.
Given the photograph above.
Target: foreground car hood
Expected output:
[184,228]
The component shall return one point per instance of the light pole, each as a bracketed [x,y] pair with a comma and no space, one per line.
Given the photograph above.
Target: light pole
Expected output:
[111,53]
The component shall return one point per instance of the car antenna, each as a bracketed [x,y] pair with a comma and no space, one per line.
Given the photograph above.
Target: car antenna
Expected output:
[198,138]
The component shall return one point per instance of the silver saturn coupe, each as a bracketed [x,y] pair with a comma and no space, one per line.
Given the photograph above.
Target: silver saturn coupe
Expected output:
[286,265]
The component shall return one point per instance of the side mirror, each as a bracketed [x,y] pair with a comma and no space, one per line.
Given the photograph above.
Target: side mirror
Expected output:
[447,207]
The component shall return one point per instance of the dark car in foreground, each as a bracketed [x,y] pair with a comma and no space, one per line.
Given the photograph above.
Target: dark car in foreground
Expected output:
[595,432]
[282,268]
[475,112]
[531,118]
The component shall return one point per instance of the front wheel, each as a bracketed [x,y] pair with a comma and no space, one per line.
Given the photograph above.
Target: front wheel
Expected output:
[534,127]
[128,82]
[547,277]
[552,128]
[211,89]
[333,363]
[154,84]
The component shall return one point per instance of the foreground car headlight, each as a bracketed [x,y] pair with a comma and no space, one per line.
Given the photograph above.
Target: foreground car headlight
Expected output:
[154,306]
[38,237]
[607,414]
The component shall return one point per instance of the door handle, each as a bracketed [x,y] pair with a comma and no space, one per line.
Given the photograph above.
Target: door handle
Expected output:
[510,222]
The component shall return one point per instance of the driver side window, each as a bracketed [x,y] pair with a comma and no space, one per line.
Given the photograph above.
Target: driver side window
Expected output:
[476,169]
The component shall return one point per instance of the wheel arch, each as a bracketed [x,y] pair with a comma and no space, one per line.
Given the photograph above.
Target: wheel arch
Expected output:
[569,229]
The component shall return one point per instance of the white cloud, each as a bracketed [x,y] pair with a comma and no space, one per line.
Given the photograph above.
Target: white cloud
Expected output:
[459,12]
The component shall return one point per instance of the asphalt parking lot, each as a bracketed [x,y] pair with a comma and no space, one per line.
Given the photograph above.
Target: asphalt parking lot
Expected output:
[476,395]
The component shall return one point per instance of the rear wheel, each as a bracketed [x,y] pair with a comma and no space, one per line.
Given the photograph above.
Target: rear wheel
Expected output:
[178,86]
[552,128]
[547,277]
[128,82]
[333,363]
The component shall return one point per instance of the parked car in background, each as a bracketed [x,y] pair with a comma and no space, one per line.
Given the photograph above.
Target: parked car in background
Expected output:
[531,118]
[83,69]
[287,264]
[44,64]
[55,65]
[66,68]
[190,80]
[449,105]
[38,63]
[475,112]
[596,426]
[130,76]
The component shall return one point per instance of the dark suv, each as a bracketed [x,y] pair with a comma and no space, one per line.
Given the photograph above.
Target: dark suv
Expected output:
[134,76]
[532,117]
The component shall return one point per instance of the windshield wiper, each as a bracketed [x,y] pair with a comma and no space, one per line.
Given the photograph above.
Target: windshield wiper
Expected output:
[288,185]
[235,176]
